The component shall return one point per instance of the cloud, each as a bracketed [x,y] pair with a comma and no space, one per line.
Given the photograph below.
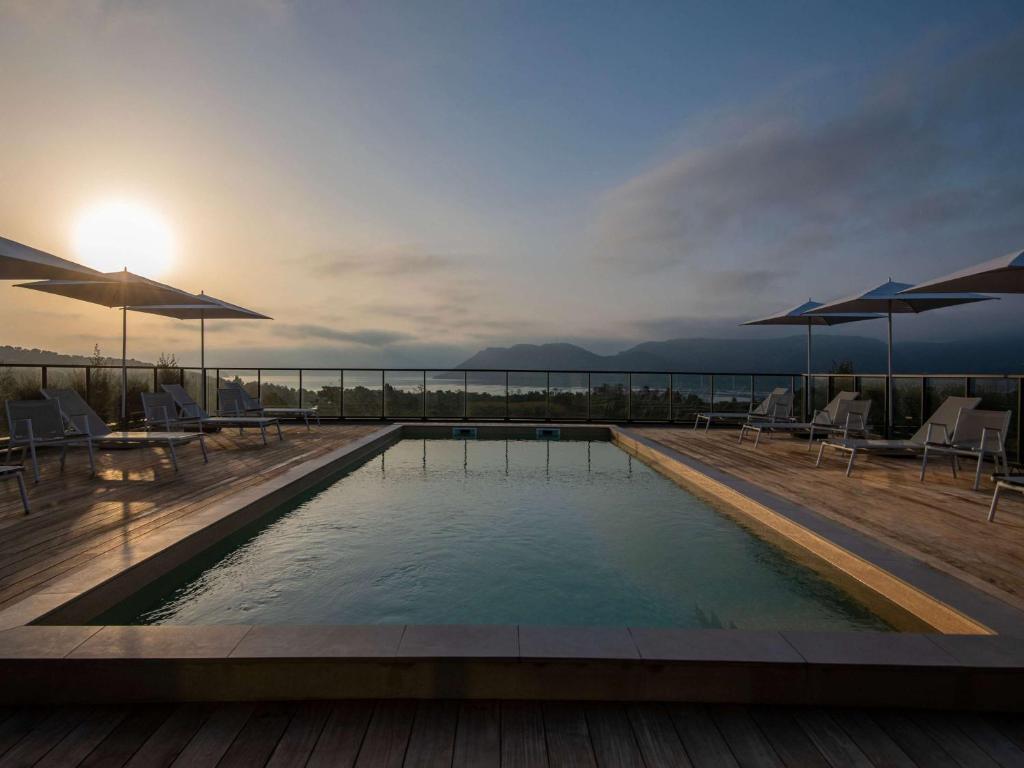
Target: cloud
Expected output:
[370,337]
[386,262]
[934,147]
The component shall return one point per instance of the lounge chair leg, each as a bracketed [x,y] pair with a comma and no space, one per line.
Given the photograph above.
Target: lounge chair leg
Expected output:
[263,433]
[995,502]
[757,438]
[63,458]
[707,424]
[24,492]
[306,417]
[92,459]
[821,451]
[202,445]
[35,460]
[977,472]
[174,456]
[849,464]
[924,464]
[280,434]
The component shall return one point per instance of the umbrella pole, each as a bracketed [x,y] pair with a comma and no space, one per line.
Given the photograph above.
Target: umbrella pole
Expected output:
[124,367]
[202,355]
[807,385]
[889,394]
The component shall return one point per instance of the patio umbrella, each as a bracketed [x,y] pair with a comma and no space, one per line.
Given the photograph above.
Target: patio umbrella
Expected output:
[210,309]
[117,289]
[890,298]
[21,262]
[798,316]
[1002,275]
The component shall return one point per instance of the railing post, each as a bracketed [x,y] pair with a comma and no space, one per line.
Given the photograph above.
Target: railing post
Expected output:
[88,384]
[465,395]
[671,395]
[711,405]
[590,392]
[547,398]
[506,397]
[382,381]
[300,387]
[629,396]
[43,377]
[341,394]
[424,396]
[752,380]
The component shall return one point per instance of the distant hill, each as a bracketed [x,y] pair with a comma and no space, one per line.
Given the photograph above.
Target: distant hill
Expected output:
[44,357]
[772,355]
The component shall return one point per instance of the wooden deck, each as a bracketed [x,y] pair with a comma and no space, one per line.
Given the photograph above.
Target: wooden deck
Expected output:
[941,521]
[508,734]
[76,517]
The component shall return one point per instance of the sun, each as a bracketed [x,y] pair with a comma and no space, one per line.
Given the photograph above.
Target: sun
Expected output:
[116,234]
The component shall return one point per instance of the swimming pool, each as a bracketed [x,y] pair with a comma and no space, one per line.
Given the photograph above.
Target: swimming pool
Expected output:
[499,532]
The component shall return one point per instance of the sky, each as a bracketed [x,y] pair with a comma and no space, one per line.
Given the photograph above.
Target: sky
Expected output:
[405,183]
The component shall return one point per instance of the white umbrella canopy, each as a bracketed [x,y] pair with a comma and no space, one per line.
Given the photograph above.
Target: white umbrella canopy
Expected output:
[209,309]
[798,316]
[1002,275]
[22,262]
[893,298]
[117,289]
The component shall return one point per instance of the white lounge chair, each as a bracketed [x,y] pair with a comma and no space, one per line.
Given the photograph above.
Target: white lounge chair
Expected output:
[89,423]
[16,472]
[827,418]
[38,423]
[189,411]
[778,405]
[975,434]
[252,405]
[945,415]
[1004,483]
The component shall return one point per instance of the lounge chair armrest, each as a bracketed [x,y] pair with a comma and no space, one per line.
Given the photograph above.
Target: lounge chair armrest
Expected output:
[996,433]
[824,415]
[27,424]
[854,421]
[80,424]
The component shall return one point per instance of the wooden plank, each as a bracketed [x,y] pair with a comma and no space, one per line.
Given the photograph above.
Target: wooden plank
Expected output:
[173,735]
[656,736]
[128,737]
[994,742]
[73,748]
[257,740]
[387,735]
[702,740]
[565,726]
[342,735]
[787,738]
[831,740]
[214,737]
[1010,725]
[44,736]
[946,732]
[611,736]
[873,741]
[432,741]
[523,743]
[745,740]
[478,735]
[296,744]
[19,724]
[912,739]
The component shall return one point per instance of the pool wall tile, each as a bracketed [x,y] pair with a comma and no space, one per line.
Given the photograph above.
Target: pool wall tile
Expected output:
[714,645]
[576,643]
[42,642]
[998,652]
[369,641]
[459,640]
[869,648]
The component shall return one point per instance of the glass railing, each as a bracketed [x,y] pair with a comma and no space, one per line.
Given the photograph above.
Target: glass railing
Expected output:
[457,394]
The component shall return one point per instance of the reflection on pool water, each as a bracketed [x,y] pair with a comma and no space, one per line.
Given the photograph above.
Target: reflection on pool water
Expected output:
[500,532]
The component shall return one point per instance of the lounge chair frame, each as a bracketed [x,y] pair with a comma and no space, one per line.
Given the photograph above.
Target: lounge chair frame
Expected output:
[40,423]
[967,442]
[778,405]
[830,418]
[253,405]
[1004,483]
[191,412]
[17,472]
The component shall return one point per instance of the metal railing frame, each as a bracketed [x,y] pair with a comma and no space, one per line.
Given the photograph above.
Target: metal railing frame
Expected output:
[666,398]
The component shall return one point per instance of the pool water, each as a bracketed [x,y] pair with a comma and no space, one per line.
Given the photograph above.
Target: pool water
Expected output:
[501,532]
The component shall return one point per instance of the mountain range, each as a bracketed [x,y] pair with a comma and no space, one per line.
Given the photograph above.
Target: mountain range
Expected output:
[787,354]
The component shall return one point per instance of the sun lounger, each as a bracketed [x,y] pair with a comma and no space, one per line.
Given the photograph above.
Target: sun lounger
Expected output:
[944,417]
[975,434]
[778,405]
[16,472]
[254,406]
[190,411]
[89,423]
[1004,483]
[38,423]
[827,418]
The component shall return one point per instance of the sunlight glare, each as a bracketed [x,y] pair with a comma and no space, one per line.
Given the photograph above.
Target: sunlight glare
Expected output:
[115,234]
